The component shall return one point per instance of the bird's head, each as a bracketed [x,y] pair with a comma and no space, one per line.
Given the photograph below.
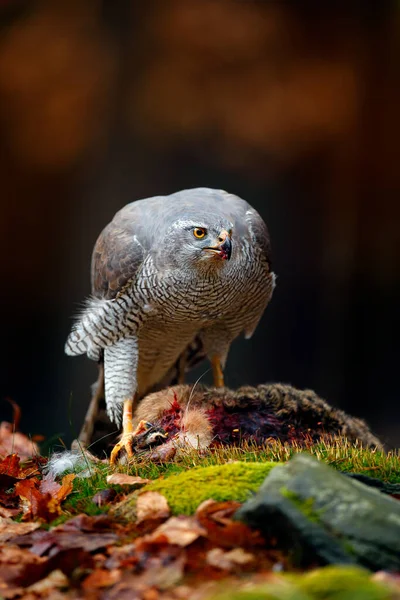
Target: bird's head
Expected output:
[205,243]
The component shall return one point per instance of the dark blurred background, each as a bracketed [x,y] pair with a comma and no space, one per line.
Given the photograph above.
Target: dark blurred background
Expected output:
[292,105]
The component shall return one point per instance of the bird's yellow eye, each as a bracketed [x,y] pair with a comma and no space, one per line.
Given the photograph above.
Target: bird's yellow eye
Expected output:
[199,232]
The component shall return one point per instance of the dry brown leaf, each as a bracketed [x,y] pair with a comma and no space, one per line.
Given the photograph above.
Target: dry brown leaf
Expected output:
[7,513]
[49,485]
[104,496]
[55,579]
[101,578]
[228,561]
[19,566]
[122,556]
[216,518]
[86,523]
[164,574]
[151,505]
[58,540]
[15,442]
[124,479]
[181,531]
[10,529]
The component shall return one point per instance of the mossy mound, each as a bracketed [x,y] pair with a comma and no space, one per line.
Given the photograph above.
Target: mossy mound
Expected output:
[233,481]
[187,490]
[326,583]
[342,583]
[337,452]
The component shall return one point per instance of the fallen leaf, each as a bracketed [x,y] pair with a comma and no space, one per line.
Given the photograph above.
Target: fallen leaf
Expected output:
[181,531]
[151,506]
[15,442]
[124,557]
[88,533]
[101,578]
[164,574]
[69,560]
[104,497]
[34,504]
[130,588]
[220,512]
[54,580]
[19,566]
[123,479]
[49,485]
[66,487]
[216,518]
[50,542]
[86,523]
[228,561]
[10,529]
[11,471]
[9,503]
[10,466]
[42,499]
[8,513]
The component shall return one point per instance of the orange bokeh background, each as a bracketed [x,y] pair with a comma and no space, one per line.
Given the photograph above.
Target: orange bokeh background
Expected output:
[292,105]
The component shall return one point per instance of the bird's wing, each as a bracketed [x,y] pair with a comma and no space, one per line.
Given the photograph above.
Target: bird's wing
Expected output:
[249,224]
[117,256]
[119,251]
[259,233]
[260,236]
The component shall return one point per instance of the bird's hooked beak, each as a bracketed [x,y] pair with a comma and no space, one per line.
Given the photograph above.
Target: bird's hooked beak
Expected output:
[223,248]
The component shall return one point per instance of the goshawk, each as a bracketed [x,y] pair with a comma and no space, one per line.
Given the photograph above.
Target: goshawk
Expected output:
[174,279]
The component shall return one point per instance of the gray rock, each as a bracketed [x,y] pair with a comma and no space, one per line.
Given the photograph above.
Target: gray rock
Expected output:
[317,513]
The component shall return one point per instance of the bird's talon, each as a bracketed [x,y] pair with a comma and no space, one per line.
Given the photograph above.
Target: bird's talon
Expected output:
[125,443]
[142,427]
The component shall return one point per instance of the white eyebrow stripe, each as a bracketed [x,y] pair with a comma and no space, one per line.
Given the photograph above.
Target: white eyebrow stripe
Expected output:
[185,223]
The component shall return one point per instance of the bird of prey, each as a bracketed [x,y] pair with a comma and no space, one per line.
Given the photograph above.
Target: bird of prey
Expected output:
[175,279]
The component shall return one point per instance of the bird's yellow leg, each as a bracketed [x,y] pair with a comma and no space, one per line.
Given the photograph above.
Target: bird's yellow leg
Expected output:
[127,433]
[217,371]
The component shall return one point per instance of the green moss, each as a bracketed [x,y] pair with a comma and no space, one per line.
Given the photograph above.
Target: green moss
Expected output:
[342,583]
[306,507]
[337,452]
[234,481]
[274,591]
[326,583]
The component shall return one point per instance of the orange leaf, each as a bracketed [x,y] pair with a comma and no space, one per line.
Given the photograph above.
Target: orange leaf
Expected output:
[101,578]
[10,465]
[39,505]
[66,487]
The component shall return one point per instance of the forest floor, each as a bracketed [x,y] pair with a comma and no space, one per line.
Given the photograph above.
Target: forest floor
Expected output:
[165,530]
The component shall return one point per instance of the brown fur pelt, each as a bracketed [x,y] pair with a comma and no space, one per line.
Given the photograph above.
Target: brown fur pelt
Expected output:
[207,416]
[204,417]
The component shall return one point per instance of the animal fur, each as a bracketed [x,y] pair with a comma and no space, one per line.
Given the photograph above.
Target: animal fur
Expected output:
[207,416]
